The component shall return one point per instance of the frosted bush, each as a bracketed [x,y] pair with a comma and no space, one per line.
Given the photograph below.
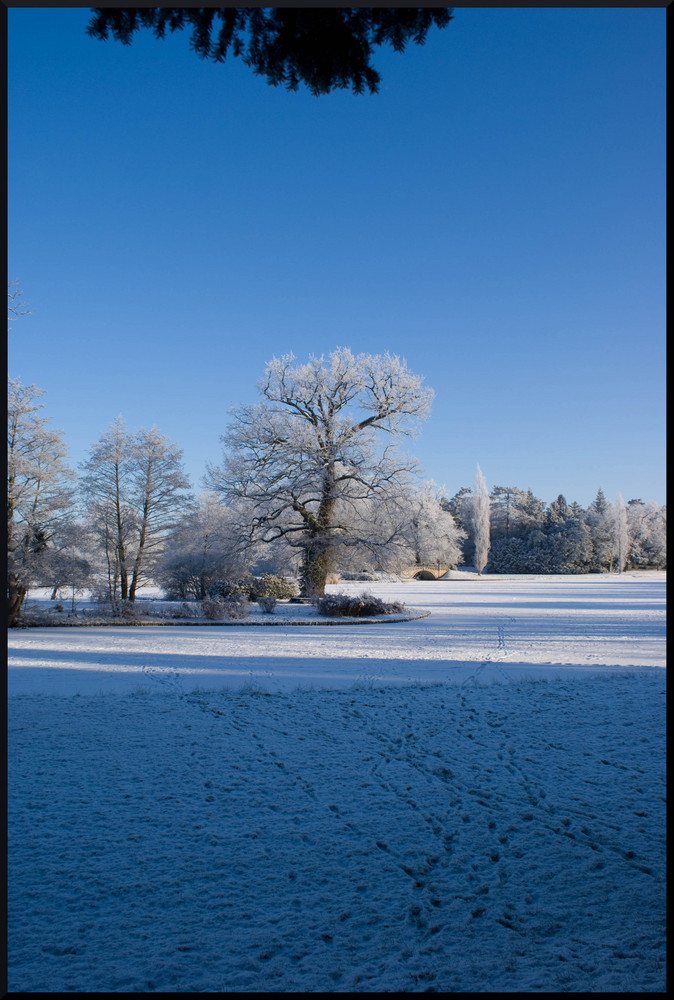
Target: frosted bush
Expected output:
[362,606]
[276,586]
[220,609]
[254,587]
[236,606]
[213,609]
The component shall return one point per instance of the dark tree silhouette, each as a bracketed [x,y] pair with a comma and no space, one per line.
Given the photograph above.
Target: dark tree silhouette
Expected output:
[326,48]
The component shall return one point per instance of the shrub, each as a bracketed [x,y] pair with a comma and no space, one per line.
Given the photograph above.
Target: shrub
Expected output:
[267,604]
[234,606]
[276,586]
[362,606]
[252,588]
[101,595]
[184,611]
[213,609]
[222,589]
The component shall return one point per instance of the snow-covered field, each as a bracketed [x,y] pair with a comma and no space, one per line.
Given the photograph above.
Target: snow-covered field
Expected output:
[469,802]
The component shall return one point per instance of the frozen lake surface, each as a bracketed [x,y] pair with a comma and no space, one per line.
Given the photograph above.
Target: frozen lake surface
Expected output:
[469,802]
[480,628]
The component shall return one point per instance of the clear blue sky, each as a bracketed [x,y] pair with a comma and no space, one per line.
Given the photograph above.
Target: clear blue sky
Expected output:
[496,215]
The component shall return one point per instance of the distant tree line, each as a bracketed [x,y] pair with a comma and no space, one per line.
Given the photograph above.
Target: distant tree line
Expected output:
[310,485]
[526,535]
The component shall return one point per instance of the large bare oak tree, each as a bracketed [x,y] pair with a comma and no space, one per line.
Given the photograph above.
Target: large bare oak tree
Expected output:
[319,450]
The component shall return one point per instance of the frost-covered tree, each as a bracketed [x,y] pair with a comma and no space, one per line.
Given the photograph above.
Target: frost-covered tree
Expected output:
[456,507]
[70,564]
[16,307]
[529,513]
[40,491]
[600,519]
[481,525]
[622,541]
[557,513]
[160,491]
[305,463]
[503,513]
[106,489]
[134,488]
[433,536]
[647,526]
[415,530]
[205,546]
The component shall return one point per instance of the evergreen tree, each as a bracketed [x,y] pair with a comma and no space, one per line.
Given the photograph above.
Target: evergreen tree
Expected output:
[529,513]
[456,507]
[600,504]
[557,512]
[326,48]
[600,521]
[503,502]
[621,533]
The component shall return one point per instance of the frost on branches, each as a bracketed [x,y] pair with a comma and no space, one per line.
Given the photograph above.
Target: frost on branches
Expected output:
[40,490]
[481,520]
[315,463]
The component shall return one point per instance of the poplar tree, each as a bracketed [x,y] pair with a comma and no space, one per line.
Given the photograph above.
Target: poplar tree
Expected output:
[621,533]
[481,527]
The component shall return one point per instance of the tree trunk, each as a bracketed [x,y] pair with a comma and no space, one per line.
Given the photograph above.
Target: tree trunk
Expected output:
[317,564]
[16,594]
[318,561]
[318,553]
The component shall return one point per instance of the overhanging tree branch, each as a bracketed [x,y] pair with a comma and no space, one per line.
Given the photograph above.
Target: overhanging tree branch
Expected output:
[325,48]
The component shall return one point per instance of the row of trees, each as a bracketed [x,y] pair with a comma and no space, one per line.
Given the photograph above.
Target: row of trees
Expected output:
[108,526]
[311,483]
[512,531]
[304,486]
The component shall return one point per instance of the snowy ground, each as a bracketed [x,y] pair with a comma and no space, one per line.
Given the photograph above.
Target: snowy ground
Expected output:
[354,808]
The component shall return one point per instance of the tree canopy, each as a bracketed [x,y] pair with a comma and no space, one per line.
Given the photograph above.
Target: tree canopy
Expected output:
[326,48]
[304,465]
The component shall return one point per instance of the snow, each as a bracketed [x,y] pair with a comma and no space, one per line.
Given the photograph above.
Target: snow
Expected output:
[468,802]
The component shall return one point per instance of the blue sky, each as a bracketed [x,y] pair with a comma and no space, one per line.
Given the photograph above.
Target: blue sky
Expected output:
[495,215]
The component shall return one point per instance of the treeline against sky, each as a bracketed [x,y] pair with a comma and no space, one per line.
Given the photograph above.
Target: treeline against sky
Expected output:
[526,535]
[129,517]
